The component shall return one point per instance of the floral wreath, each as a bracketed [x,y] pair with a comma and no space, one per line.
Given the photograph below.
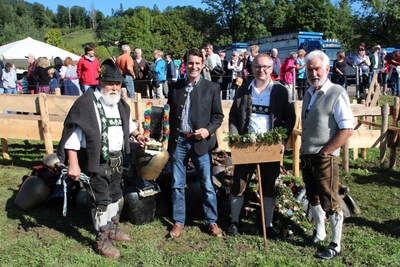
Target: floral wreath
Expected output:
[147,121]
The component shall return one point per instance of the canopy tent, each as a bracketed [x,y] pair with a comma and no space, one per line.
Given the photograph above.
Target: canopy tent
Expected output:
[16,52]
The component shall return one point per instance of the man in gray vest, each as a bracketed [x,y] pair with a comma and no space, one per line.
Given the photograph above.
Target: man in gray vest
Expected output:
[327,122]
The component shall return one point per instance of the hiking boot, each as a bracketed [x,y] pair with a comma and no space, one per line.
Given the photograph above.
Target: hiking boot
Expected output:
[176,230]
[116,234]
[214,230]
[233,229]
[104,245]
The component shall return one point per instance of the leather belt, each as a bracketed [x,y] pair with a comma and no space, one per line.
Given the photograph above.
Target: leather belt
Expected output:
[186,135]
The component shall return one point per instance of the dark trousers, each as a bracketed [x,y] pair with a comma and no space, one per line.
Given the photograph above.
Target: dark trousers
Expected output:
[106,184]
[243,173]
[321,176]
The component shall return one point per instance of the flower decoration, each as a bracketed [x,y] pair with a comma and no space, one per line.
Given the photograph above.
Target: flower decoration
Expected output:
[102,71]
[272,137]
[166,129]
[147,119]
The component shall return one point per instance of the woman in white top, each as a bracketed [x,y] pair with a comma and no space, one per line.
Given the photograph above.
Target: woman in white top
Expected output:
[236,66]
[70,77]
[362,62]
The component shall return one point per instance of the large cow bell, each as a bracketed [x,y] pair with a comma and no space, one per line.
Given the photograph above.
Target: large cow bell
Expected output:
[33,192]
[149,166]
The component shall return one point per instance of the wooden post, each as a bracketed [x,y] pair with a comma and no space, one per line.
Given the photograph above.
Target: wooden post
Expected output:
[296,154]
[384,137]
[345,156]
[57,91]
[139,110]
[396,105]
[262,206]
[4,148]
[44,124]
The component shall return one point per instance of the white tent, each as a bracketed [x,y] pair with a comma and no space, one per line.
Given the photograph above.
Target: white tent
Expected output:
[15,52]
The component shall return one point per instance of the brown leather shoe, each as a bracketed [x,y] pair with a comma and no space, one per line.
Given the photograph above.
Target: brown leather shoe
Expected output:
[214,230]
[104,245]
[176,230]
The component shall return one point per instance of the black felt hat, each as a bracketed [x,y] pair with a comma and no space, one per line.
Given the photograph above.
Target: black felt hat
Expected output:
[110,72]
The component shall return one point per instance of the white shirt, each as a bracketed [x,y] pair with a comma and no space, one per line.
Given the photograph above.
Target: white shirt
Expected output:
[341,111]
[78,139]
[260,123]
[215,60]
[235,67]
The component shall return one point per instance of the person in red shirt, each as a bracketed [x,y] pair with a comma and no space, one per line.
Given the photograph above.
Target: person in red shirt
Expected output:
[88,69]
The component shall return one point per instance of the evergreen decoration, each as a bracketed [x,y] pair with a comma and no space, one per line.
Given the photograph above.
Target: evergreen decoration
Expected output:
[273,136]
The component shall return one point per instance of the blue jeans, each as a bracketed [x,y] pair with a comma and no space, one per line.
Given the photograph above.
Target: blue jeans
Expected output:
[395,83]
[130,87]
[11,91]
[179,159]
[1,90]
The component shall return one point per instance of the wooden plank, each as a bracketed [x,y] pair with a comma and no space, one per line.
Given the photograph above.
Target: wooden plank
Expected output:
[19,102]
[385,121]
[361,110]
[393,149]
[59,105]
[20,129]
[365,139]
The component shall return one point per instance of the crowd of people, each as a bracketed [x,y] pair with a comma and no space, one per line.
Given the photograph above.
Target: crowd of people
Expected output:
[99,126]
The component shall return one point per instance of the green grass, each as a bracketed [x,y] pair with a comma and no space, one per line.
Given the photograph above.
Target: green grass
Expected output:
[44,237]
[79,39]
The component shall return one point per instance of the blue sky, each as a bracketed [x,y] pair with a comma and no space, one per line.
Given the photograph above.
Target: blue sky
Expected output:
[105,6]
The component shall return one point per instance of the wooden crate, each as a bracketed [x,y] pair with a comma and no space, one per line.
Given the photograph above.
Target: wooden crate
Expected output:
[261,152]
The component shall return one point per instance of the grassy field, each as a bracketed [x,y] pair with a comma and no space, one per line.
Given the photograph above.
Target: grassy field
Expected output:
[44,237]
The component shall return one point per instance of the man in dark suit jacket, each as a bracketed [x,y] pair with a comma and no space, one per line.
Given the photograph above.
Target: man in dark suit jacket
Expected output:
[195,115]
[259,106]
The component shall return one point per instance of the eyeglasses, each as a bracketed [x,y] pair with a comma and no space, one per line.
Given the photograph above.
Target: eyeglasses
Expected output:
[258,67]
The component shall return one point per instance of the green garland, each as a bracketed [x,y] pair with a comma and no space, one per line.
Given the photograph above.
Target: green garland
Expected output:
[271,137]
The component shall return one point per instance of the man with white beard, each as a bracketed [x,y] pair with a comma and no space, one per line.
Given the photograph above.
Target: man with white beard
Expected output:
[95,137]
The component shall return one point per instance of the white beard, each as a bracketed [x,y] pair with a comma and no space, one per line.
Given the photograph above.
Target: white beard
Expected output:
[110,100]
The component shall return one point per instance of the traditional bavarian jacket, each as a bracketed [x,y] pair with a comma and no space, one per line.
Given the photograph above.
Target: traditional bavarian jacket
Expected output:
[83,115]
[281,111]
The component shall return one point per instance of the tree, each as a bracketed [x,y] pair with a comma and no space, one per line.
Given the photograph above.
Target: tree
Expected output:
[54,37]
[379,23]
[40,16]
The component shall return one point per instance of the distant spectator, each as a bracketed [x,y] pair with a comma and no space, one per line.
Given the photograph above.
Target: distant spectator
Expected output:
[9,79]
[24,83]
[70,77]
[41,75]
[301,74]
[31,80]
[181,69]
[159,70]
[339,70]
[249,61]
[362,62]
[287,73]
[88,69]
[395,73]
[236,66]
[207,65]
[276,65]
[171,71]
[126,64]
[55,81]
[1,75]
[384,72]
[140,73]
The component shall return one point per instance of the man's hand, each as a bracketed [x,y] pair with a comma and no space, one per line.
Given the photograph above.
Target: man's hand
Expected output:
[201,134]
[74,171]
[142,140]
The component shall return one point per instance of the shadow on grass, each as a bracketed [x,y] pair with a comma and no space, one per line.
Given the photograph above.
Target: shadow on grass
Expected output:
[378,176]
[389,227]
[46,217]
[25,154]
